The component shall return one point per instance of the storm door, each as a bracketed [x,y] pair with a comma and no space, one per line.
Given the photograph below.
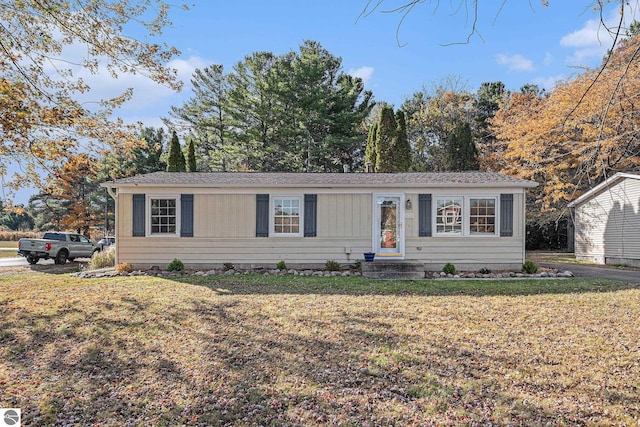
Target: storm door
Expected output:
[388,233]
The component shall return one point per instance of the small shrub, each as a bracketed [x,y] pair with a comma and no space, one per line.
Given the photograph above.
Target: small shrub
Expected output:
[281,265]
[358,265]
[124,267]
[484,270]
[530,267]
[228,266]
[449,268]
[175,265]
[332,266]
[104,259]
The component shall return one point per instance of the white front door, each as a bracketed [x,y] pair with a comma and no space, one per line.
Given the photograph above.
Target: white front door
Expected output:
[388,225]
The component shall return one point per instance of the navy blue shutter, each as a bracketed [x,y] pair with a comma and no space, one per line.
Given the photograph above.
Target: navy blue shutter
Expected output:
[138,228]
[262,215]
[424,215]
[310,215]
[186,215]
[506,215]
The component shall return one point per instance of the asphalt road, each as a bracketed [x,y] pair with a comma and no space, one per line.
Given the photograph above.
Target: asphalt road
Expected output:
[587,271]
[22,262]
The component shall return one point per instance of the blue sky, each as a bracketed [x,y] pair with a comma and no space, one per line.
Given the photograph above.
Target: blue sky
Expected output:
[519,42]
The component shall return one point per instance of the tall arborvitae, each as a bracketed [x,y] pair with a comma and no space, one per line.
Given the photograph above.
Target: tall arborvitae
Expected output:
[461,153]
[402,149]
[371,151]
[387,130]
[176,162]
[191,156]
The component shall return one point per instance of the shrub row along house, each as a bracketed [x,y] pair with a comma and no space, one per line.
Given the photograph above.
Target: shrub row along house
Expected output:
[255,220]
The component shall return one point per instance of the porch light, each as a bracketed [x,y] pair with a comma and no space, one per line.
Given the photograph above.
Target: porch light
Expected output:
[408,204]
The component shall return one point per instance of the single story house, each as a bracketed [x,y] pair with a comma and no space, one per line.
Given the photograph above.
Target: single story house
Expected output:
[254,220]
[607,221]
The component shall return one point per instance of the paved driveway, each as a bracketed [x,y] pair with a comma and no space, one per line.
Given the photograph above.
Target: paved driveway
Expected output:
[587,271]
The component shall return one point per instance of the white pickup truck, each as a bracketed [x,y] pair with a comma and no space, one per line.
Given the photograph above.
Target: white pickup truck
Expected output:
[59,246]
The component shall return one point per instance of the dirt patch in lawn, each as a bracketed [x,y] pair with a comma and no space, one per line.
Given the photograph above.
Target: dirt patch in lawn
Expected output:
[150,351]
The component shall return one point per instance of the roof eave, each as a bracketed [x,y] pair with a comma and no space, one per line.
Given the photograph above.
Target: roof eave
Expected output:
[112,184]
[603,185]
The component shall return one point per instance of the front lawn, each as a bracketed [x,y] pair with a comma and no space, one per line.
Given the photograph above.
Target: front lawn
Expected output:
[268,350]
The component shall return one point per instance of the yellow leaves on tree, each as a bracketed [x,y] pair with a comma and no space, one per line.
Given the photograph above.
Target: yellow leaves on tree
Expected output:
[73,185]
[46,110]
[585,130]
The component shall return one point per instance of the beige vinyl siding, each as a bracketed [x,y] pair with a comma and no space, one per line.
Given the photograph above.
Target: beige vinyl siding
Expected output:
[474,252]
[345,216]
[124,215]
[266,252]
[608,225]
[225,215]
[224,232]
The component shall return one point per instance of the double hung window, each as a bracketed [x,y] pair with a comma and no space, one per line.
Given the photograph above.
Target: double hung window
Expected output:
[286,216]
[164,216]
[482,216]
[465,216]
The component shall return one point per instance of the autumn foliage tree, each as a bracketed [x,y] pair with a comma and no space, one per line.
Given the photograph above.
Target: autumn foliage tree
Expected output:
[74,185]
[47,110]
[585,130]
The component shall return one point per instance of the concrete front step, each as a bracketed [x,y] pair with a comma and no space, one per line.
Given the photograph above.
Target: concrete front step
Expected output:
[393,270]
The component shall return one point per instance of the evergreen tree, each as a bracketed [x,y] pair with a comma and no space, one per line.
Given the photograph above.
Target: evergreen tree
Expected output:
[371,151]
[461,153]
[191,156]
[402,149]
[176,162]
[387,131]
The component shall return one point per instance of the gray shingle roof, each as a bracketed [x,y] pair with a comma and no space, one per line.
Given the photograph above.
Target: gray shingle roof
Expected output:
[278,179]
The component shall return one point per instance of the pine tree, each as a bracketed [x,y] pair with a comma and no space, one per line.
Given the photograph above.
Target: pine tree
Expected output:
[191,156]
[371,151]
[402,149]
[387,131]
[461,153]
[176,162]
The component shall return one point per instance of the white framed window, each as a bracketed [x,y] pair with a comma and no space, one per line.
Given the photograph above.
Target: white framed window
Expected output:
[286,216]
[482,215]
[163,216]
[466,215]
[449,215]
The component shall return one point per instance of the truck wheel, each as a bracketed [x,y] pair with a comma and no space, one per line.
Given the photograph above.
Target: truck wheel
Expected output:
[32,259]
[61,258]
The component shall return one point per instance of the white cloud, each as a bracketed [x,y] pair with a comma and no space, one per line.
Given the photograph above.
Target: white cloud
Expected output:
[364,73]
[515,62]
[548,59]
[548,83]
[595,38]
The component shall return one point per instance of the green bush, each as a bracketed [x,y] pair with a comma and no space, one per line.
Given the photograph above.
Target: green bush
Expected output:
[175,265]
[530,267]
[281,265]
[332,266]
[104,259]
[449,268]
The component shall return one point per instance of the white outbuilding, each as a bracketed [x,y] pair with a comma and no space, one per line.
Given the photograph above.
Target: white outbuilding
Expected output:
[607,221]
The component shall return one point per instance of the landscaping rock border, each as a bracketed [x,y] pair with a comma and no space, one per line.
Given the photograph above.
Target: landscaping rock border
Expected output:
[553,273]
